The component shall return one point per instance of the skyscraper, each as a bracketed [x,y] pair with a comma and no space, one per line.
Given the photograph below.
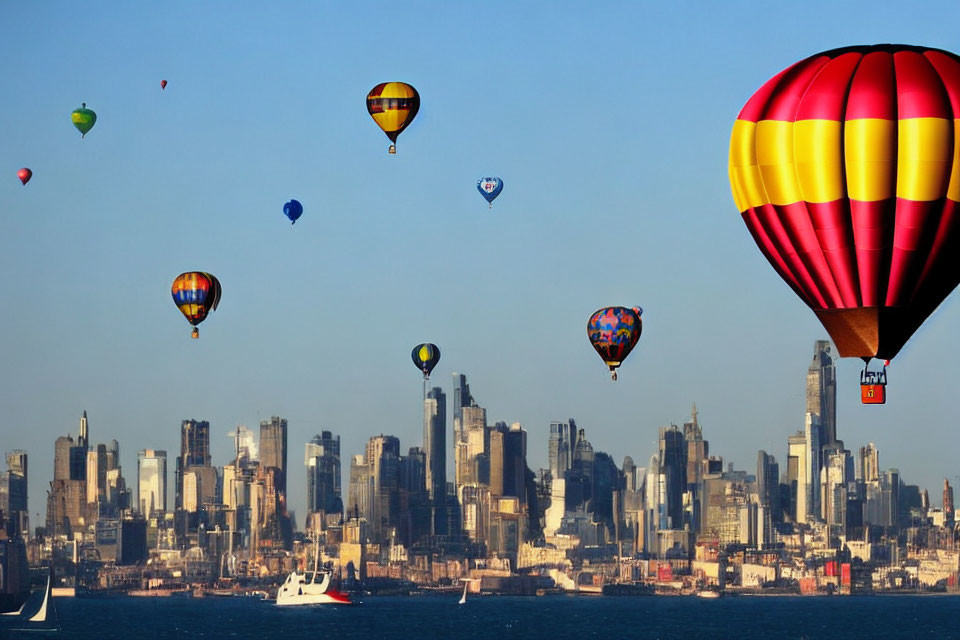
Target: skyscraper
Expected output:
[814,452]
[461,399]
[822,392]
[195,443]
[435,444]
[15,508]
[273,449]
[673,466]
[869,463]
[322,459]
[797,470]
[562,444]
[151,481]
[768,484]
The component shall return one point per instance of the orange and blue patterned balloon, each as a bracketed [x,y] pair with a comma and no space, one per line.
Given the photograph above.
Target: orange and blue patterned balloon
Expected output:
[614,332]
[425,357]
[196,293]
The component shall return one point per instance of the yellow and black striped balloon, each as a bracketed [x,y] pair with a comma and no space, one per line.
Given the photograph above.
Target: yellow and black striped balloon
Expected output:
[393,106]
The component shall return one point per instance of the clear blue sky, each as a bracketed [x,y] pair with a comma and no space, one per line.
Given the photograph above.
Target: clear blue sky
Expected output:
[609,124]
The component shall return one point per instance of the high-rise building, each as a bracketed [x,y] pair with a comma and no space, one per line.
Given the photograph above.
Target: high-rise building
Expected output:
[562,444]
[833,481]
[14,506]
[383,461]
[435,443]
[151,481]
[768,485]
[812,433]
[195,443]
[461,399]
[869,463]
[273,449]
[61,457]
[797,472]
[822,392]
[947,499]
[673,466]
[322,459]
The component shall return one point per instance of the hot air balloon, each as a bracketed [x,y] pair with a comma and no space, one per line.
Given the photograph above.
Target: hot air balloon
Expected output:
[844,168]
[83,119]
[425,356]
[196,294]
[293,210]
[393,106]
[490,188]
[163,84]
[24,175]
[614,332]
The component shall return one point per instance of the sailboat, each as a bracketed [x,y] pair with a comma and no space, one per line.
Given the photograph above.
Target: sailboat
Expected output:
[46,614]
[463,598]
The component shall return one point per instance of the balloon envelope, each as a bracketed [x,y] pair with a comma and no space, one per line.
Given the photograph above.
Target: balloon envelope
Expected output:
[490,188]
[393,106]
[293,210]
[196,294]
[83,119]
[425,357]
[614,332]
[24,175]
[844,169]
[163,84]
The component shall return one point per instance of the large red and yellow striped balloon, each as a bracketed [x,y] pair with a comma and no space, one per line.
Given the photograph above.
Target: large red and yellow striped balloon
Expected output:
[846,169]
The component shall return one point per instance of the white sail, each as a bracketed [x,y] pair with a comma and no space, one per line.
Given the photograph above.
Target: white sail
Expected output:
[41,614]
[17,612]
[463,598]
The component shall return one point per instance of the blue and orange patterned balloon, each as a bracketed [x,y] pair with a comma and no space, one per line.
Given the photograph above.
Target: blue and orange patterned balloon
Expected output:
[425,357]
[196,294]
[614,332]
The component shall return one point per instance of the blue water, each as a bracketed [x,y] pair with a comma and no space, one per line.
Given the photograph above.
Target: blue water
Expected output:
[499,618]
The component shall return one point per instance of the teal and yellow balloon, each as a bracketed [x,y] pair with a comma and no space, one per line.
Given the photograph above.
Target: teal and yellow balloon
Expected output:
[425,357]
[83,119]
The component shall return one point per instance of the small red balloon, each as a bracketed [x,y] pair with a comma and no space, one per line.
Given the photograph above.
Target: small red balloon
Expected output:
[24,175]
[163,84]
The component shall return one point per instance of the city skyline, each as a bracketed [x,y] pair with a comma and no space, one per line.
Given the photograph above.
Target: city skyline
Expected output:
[558,439]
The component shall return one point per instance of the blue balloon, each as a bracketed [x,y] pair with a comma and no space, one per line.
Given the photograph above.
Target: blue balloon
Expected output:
[293,210]
[490,188]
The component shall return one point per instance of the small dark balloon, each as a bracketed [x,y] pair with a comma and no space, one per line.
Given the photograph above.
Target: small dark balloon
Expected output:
[24,175]
[163,84]
[293,210]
